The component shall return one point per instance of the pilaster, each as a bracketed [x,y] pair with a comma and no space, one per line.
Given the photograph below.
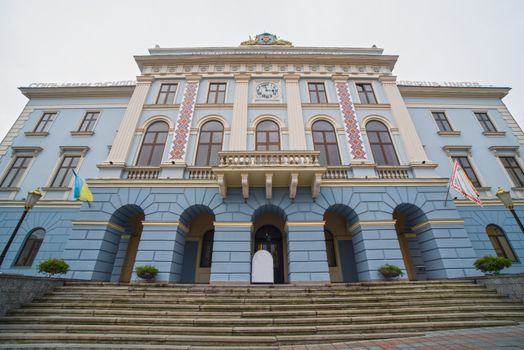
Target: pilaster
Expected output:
[238,138]
[306,248]
[120,148]
[408,133]
[297,137]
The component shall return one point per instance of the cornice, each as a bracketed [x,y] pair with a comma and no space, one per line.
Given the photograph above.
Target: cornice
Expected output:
[447,91]
[79,91]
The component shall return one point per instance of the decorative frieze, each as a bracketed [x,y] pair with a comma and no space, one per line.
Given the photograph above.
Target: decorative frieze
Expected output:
[183,123]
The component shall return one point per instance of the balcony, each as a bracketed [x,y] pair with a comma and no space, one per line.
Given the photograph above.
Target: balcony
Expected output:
[141,173]
[269,169]
[397,172]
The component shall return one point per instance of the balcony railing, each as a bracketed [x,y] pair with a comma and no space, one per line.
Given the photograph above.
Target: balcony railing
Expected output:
[337,172]
[268,158]
[393,172]
[142,173]
[200,173]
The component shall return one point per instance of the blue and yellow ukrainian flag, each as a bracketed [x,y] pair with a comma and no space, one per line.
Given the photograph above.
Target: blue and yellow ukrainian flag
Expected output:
[80,189]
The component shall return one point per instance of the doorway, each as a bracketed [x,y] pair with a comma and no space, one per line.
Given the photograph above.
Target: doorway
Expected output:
[269,238]
[135,225]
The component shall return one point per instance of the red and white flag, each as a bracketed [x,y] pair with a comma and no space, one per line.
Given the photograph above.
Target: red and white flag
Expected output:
[461,182]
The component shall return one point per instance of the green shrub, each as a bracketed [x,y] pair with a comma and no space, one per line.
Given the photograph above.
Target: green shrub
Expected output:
[146,272]
[390,270]
[53,266]
[492,264]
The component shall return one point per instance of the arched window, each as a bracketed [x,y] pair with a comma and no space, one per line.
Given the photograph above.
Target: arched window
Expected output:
[381,144]
[207,249]
[325,141]
[209,143]
[500,242]
[330,249]
[153,144]
[30,248]
[268,136]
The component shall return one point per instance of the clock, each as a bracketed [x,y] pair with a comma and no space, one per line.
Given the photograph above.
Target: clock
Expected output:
[267,90]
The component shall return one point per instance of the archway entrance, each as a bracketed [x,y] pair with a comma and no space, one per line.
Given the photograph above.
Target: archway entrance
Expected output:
[269,238]
[135,231]
[407,217]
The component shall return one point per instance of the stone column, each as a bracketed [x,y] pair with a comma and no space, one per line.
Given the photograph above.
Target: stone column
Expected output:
[306,247]
[375,243]
[238,138]
[162,245]
[408,133]
[297,136]
[231,260]
[122,143]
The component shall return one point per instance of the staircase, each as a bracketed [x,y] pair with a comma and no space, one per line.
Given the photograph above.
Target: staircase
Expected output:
[149,316]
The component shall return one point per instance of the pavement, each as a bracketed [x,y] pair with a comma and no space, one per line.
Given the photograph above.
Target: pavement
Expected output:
[493,338]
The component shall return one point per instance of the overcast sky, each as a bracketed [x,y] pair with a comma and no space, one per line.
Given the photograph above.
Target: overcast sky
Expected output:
[90,41]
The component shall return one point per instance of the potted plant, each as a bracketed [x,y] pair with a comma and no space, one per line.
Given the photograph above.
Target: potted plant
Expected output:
[390,271]
[491,265]
[53,266]
[146,272]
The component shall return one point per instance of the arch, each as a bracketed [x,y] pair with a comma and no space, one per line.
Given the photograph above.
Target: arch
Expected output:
[210,142]
[31,246]
[271,117]
[382,146]
[156,118]
[153,144]
[378,118]
[269,209]
[325,117]
[268,136]
[210,117]
[193,211]
[325,140]
[500,242]
[408,219]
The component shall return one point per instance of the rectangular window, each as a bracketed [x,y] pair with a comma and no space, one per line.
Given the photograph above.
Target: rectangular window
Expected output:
[216,93]
[465,164]
[88,124]
[485,122]
[514,170]
[17,170]
[167,94]
[45,122]
[65,172]
[442,121]
[317,93]
[366,94]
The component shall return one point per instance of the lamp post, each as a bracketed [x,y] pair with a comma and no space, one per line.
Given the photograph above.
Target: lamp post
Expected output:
[32,198]
[505,198]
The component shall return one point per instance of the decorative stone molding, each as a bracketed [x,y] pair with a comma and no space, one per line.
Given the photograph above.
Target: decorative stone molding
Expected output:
[183,123]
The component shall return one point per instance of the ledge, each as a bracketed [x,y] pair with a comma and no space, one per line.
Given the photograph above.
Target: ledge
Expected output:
[56,189]
[494,133]
[372,105]
[9,189]
[449,133]
[34,133]
[483,189]
[82,133]
[161,106]
[214,105]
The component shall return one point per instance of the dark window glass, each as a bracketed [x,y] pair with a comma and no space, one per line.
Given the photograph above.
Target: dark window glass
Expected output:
[317,93]
[381,144]
[466,165]
[267,136]
[45,122]
[209,143]
[330,249]
[216,93]
[366,94]
[500,242]
[15,173]
[485,122]
[442,121]
[514,170]
[325,141]
[65,171]
[207,249]
[30,248]
[88,124]
[167,94]
[153,144]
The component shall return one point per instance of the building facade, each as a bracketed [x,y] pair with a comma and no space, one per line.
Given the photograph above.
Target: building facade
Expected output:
[317,155]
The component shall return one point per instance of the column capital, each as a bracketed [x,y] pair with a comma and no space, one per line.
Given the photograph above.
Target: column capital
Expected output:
[291,77]
[388,79]
[242,77]
[144,79]
[232,224]
[306,223]
[340,77]
[193,77]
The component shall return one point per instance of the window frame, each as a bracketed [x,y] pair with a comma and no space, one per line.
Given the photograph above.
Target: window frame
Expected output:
[66,151]
[323,136]
[48,124]
[313,82]
[508,173]
[502,251]
[90,131]
[25,152]
[388,129]
[357,83]
[216,92]
[167,93]
[279,131]
[481,123]
[439,130]
[209,143]
[33,256]
[478,183]
[142,138]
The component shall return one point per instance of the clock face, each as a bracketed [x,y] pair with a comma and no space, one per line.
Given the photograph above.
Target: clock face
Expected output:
[267,90]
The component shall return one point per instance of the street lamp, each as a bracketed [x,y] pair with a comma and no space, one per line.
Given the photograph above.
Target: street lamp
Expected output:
[505,198]
[30,201]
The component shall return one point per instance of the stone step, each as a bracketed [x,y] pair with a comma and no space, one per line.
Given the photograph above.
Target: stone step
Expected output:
[69,346]
[21,322]
[29,311]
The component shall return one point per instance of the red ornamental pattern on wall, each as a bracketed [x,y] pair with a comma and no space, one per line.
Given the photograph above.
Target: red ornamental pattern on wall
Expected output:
[183,124]
[350,121]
